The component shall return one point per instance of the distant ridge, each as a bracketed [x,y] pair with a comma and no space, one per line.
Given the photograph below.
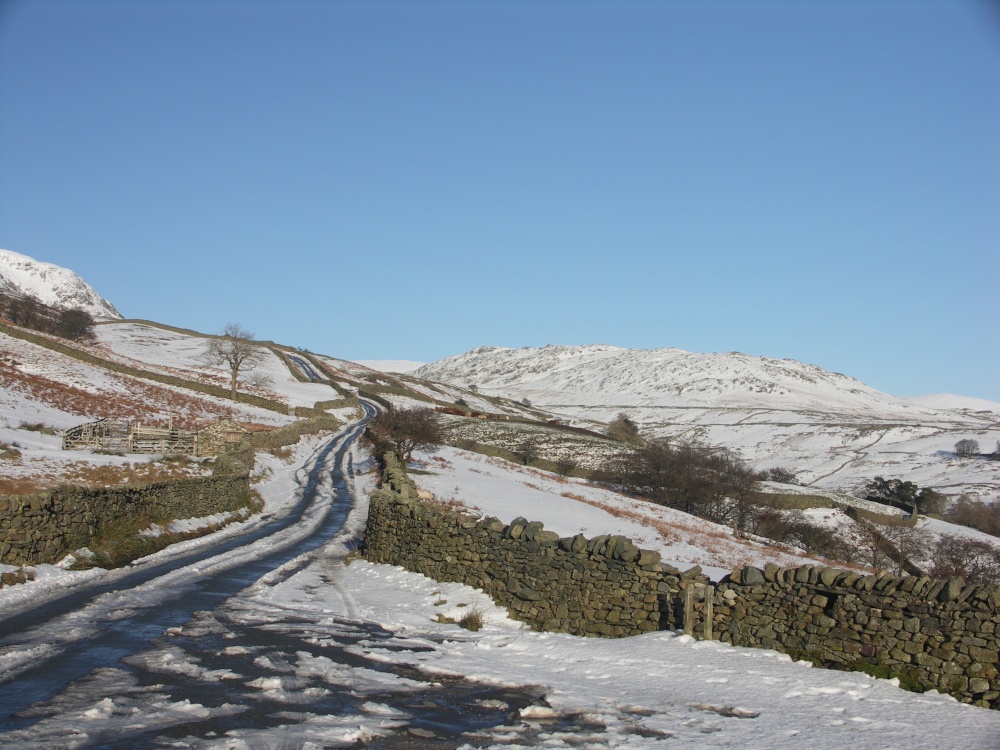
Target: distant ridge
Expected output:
[951,401]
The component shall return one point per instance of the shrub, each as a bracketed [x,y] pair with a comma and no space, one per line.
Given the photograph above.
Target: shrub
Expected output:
[709,482]
[38,427]
[624,430]
[276,439]
[791,527]
[75,325]
[967,448]
[9,451]
[780,475]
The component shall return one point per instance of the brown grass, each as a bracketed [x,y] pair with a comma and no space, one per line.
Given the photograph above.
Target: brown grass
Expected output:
[719,543]
[14,577]
[453,504]
[134,399]
[88,474]
[120,543]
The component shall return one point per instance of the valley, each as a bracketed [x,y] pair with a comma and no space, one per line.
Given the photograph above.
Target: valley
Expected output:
[269,661]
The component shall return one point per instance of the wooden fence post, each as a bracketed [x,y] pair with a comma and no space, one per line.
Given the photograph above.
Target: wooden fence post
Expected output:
[709,596]
[689,609]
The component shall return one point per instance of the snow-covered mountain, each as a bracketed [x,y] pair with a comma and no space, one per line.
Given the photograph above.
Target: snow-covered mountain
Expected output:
[833,431]
[51,285]
[613,376]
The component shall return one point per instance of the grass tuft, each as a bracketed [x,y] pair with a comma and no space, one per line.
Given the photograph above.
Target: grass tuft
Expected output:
[472,620]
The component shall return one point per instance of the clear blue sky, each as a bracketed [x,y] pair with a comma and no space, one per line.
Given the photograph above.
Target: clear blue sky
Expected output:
[813,180]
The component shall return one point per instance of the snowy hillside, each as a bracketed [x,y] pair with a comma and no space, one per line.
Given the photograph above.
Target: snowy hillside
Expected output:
[51,285]
[832,430]
[175,353]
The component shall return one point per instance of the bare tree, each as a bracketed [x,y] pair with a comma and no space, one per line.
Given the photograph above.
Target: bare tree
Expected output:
[907,543]
[237,350]
[75,324]
[25,311]
[870,545]
[889,546]
[957,556]
[968,511]
[527,451]
[566,464]
[405,430]
[709,482]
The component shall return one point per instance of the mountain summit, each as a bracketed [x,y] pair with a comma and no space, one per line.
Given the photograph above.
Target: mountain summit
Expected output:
[51,285]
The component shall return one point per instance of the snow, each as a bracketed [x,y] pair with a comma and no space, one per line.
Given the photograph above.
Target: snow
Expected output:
[951,401]
[642,691]
[494,487]
[650,691]
[637,692]
[18,403]
[280,490]
[600,375]
[174,352]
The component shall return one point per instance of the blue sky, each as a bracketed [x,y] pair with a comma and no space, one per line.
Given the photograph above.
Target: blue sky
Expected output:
[818,181]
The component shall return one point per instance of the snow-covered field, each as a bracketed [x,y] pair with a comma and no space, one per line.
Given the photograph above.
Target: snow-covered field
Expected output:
[652,691]
[494,487]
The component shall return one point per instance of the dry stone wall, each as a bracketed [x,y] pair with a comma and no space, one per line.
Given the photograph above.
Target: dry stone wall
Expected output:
[935,634]
[603,586]
[42,528]
[931,634]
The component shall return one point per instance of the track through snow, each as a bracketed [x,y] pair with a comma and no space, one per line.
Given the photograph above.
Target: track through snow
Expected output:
[860,453]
